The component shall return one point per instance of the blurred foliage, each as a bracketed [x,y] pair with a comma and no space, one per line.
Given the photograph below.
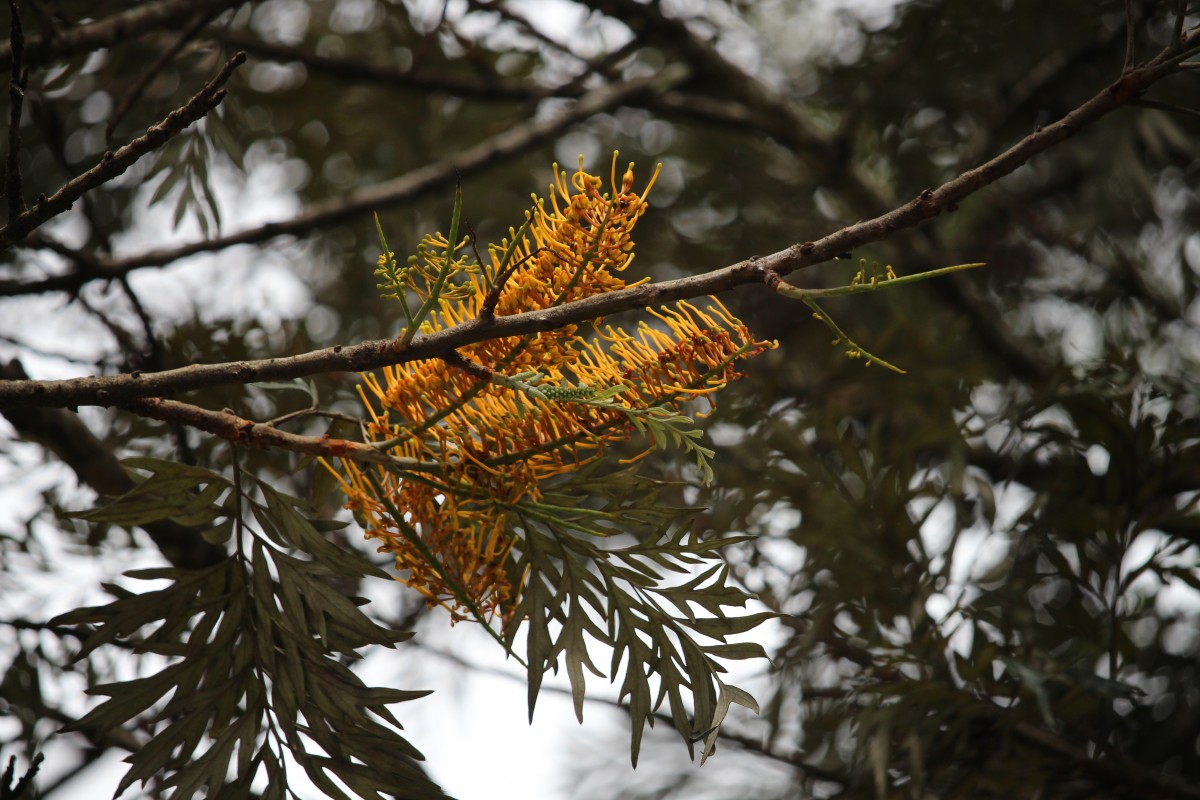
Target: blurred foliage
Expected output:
[986,569]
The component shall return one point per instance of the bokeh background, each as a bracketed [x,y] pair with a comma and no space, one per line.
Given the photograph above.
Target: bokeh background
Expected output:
[986,567]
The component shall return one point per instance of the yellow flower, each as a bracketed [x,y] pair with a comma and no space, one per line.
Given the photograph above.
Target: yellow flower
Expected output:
[487,446]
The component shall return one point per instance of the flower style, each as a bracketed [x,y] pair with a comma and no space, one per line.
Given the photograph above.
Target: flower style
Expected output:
[489,428]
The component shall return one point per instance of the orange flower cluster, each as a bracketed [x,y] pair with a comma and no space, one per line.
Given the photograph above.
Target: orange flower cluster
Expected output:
[485,446]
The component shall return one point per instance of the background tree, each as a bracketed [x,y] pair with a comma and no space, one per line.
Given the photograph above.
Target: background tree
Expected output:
[984,569]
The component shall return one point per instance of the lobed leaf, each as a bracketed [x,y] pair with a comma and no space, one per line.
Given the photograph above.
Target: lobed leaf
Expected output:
[583,588]
[256,642]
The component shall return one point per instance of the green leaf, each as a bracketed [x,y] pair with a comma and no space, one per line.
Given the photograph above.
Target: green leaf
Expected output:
[574,569]
[727,696]
[244,647]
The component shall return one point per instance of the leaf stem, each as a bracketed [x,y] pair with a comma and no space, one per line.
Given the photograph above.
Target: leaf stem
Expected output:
[796,293]
[855,350]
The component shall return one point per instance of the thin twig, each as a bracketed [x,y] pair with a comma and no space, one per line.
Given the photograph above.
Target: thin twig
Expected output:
[113,164]
[770,111]
[28,348]
[603,65]
[125,340]
[139,87]
[1129,39]
[239,430]
[24,785]
[488,307]
[473,368]
[1158,105]
[63,631]
[51,128]
[488,89]
[62,433]
[16,93]
[360,71]
[153,358]
[484,155]
[83,260]
[865,286]
[90,757]
[120,737]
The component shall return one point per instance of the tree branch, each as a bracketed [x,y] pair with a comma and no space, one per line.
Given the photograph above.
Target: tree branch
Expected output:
[239,430]
[154,70]
[113,164]
[407,187]
[485,89]
[118,28]
[121,389]
[363,71]
[759,106]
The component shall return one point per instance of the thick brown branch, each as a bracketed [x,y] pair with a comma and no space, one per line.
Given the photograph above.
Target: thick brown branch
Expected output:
[113,164]
[389,193]
[120,389]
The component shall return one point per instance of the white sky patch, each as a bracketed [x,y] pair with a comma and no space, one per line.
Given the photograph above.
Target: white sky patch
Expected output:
[1098,458]
[283,21]
[978,552]
[72,338]
[574,26]
[724,434]
[1173,595]
[245,282]
[474,730]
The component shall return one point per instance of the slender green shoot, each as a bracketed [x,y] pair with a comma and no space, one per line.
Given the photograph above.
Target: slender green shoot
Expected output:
[859,285]
[853,349]
[393,275]
[435,291]
[796,293]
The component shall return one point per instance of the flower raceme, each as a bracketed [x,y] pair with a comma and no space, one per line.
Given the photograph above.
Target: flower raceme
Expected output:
[487,429]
